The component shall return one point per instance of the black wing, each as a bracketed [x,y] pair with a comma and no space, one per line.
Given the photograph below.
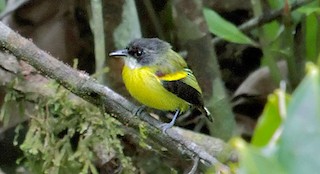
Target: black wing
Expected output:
[184,91]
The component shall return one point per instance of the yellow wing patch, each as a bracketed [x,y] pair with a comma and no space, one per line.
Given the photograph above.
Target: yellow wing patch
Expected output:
[174,76]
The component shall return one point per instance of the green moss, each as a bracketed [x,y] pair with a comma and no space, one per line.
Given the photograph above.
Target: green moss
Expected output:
[65,135]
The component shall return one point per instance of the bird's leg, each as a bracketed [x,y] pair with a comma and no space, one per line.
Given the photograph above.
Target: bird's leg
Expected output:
[166,126]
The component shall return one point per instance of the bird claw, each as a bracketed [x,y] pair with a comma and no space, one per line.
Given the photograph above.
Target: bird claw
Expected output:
[165,126]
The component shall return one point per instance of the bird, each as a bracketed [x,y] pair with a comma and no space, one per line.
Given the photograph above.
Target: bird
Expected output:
[158,77]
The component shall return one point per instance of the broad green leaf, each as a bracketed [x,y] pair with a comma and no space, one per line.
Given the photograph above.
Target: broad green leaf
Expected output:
[268,122]
[312,32]
[224,29]
[254,160]
[300,141]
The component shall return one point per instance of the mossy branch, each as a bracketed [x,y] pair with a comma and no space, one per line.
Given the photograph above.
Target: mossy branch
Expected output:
[87,88]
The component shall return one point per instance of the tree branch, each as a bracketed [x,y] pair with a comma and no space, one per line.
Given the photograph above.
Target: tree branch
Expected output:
[82,85]
[261,20]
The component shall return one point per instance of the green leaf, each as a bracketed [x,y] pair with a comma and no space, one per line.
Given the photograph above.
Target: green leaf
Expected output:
[309,10]
[269,121]
[224,29]
[274,31]
[300,141]
[278,4]
[255,160]
[312,30]
[311,25]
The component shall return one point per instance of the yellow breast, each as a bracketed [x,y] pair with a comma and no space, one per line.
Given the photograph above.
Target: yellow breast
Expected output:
[146,87]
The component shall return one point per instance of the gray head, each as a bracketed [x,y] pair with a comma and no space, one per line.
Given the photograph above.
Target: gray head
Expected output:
[144,51]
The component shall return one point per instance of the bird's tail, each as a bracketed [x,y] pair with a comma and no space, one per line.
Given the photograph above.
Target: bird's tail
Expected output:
[206,112]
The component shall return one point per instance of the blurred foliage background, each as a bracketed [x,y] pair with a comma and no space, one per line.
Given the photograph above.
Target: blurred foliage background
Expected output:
[257,62]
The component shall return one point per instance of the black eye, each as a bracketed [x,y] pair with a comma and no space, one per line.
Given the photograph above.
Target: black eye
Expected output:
[135,52]
[139,53]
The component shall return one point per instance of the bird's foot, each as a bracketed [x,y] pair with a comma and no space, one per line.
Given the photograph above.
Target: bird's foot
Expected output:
[165,126]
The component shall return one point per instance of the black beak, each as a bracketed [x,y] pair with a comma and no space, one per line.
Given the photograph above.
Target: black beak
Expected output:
[119,53]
